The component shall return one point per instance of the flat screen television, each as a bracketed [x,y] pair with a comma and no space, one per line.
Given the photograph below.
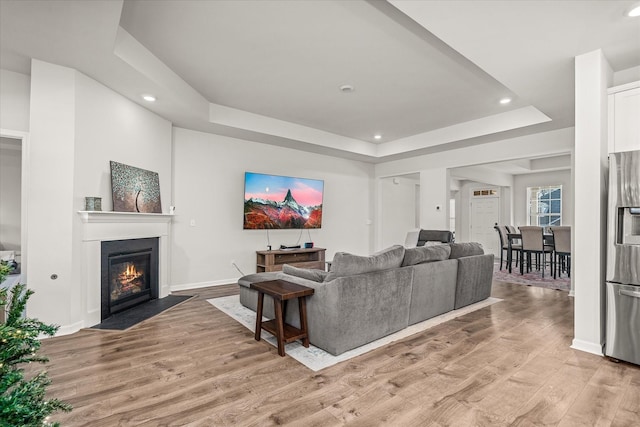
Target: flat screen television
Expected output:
[281,202]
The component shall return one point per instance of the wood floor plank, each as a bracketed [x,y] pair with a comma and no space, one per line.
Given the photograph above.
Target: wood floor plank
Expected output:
[509,364]
[628,413]
[601,397]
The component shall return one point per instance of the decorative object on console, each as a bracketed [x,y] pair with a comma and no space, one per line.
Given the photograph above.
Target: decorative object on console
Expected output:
[277,202]
[135,189]
[93,203]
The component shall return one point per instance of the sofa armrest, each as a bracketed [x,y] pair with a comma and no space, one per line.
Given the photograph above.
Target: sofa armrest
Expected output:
[434,289]
[475,275]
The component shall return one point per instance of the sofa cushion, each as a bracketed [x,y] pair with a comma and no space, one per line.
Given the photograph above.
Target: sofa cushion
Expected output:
[422,254]
[346,264]
[459,250]
[305,273]
[247,280]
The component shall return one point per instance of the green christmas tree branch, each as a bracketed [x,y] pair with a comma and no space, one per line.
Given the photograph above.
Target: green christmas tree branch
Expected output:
[23,401]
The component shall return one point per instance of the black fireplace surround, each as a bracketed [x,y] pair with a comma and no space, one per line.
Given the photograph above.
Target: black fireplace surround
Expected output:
[129,274]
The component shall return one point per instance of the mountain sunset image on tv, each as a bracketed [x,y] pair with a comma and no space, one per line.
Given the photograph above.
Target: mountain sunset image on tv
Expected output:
[281,202]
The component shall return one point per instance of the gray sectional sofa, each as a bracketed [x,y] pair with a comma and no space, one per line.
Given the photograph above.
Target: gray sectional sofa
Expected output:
[364,298]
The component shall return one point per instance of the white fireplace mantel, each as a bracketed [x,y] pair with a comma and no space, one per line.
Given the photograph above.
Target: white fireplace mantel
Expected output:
[99,226]
[136,217]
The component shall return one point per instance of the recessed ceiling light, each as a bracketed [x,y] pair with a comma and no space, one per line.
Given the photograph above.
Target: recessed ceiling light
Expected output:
[149,98]
[377,136]
[635,11]
[505,101]
[346,88]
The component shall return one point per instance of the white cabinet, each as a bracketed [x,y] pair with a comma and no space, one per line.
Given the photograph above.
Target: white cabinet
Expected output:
[624,118]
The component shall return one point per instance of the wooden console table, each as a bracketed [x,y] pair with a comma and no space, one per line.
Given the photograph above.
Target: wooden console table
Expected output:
[303,258]
[281,291]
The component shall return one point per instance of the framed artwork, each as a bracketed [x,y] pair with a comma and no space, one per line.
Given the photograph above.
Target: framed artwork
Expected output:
[134,189]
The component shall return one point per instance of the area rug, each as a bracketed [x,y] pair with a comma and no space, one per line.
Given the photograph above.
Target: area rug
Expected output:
[532,279]
[315,358]
[131,317]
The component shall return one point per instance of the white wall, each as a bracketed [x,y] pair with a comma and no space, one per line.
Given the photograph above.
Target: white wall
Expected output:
[14,102]
[434,199]
[110,127]
[521,182]
[398,210]
[542,144]
[10,193]
[50,192]
[77,126]
[208,190]
[626,76]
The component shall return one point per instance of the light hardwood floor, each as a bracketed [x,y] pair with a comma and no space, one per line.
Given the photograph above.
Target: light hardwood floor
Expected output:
[506,364]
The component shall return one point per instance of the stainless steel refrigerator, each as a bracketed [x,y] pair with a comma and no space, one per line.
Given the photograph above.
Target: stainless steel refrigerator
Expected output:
[623,258]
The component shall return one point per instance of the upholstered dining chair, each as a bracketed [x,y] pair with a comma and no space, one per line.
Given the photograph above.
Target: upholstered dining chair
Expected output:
[504,245]
[515,243]
[562,249]
[533,244]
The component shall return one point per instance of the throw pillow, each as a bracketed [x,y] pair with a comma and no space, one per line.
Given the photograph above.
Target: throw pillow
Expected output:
[423,254]
[305,273]
[346,264]
[459,250]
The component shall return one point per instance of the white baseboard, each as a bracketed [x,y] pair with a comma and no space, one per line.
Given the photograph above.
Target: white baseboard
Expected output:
[187,286]
[586,346]
[69,329]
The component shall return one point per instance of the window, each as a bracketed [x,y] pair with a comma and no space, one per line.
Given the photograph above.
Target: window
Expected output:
[545,205]
[477,193]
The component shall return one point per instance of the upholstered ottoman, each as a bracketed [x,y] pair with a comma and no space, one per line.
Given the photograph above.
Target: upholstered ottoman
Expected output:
[249,297]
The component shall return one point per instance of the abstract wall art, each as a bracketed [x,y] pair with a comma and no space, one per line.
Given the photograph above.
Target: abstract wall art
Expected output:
[134,189]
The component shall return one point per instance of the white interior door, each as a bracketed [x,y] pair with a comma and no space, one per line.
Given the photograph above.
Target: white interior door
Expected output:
[485,213]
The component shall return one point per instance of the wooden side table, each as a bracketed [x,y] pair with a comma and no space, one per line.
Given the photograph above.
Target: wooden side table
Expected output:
[281,291]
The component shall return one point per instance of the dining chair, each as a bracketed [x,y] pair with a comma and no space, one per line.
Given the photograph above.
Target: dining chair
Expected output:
[516,242]
[504,245]
[533,244]
[562,249]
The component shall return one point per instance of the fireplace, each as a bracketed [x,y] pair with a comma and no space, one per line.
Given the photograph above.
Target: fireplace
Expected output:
[129,274]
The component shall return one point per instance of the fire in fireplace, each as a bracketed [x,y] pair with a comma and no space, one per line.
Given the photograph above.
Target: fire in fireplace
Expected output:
[129,274]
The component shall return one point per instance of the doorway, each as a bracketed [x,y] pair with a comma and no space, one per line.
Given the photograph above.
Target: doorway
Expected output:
[13,211]
[485,213]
